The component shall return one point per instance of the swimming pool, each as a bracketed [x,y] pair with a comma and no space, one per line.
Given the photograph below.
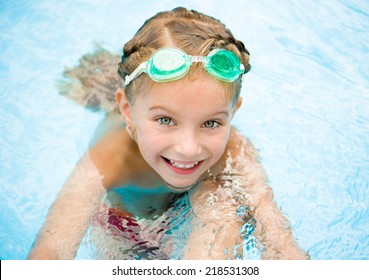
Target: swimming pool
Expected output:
[306,108]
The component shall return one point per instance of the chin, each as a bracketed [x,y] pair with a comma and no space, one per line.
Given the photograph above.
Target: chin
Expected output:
[181,186]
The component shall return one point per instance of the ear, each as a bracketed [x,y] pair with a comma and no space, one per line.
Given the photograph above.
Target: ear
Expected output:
[238,105]
[124,107]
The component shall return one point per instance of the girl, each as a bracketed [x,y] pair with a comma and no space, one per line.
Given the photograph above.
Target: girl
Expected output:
[169,140]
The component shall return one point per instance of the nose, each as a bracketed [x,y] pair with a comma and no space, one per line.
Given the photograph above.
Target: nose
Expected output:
[188,144]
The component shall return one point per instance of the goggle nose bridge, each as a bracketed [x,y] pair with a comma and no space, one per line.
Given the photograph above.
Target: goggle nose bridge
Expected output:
[195,58]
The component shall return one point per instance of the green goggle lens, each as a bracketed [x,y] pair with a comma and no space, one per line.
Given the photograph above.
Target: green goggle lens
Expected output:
[167,65]
[170,64]
[224,65]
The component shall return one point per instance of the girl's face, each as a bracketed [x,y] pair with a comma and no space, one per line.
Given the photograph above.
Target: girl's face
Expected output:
[181,127]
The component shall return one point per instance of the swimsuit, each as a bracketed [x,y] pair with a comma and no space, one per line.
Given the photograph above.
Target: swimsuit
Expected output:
[138,239]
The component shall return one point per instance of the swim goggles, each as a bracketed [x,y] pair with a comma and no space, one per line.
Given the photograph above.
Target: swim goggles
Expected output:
[170,64]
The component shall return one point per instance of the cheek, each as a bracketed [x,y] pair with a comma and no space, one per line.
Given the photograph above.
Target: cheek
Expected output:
[218,145]
[149,136]
[149,140]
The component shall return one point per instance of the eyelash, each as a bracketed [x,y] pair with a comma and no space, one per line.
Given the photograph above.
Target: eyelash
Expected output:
[217,124]
[160,121]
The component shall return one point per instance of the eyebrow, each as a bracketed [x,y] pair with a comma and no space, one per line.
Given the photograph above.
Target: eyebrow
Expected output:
[172,112]
[160,108]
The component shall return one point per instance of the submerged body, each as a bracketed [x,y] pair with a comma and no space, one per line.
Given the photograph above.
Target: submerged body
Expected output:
[212,212]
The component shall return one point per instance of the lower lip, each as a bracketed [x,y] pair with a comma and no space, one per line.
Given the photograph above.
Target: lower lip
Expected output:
[181,171]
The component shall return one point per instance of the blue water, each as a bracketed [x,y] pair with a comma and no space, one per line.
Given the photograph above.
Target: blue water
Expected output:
[306,108]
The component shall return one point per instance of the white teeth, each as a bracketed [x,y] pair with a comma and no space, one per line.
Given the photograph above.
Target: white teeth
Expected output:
[183,166]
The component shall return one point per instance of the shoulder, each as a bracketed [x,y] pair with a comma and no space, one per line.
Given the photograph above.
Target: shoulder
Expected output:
[114,153]
[240,161]
[239,152]
[240,148]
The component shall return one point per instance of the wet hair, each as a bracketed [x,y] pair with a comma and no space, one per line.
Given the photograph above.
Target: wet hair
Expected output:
[193,32]
[94,80]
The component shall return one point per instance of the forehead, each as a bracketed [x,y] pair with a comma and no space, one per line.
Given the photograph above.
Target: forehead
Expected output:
[197,85]
[201,88]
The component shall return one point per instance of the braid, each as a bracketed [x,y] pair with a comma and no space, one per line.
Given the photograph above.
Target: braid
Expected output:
[219,39]
[189,30]
[132,57]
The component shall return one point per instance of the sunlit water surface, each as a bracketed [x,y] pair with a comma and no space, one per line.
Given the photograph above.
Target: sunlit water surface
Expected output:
[306,108]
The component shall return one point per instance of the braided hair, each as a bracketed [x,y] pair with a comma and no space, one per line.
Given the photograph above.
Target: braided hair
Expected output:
[189,30]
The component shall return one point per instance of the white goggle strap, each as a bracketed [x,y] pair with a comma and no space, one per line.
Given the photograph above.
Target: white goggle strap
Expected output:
[242,69]
[137,72]
[193,59]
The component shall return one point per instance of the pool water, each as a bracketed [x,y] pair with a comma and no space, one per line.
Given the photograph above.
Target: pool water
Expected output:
[306,108]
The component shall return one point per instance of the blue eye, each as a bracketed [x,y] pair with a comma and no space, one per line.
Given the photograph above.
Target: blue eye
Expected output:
[165,121]
[211,124]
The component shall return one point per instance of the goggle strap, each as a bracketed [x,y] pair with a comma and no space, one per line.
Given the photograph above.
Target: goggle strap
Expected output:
[193,59]
[242,77]
[137,72]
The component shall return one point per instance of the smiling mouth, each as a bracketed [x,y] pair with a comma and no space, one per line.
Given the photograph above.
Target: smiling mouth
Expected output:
[182,167]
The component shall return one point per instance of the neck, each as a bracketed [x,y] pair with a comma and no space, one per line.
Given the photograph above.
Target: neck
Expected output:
[184,189]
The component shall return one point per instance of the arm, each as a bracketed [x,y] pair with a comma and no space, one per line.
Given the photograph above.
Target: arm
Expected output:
[244,183]
[68,217]
[216,227]
[272,230]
